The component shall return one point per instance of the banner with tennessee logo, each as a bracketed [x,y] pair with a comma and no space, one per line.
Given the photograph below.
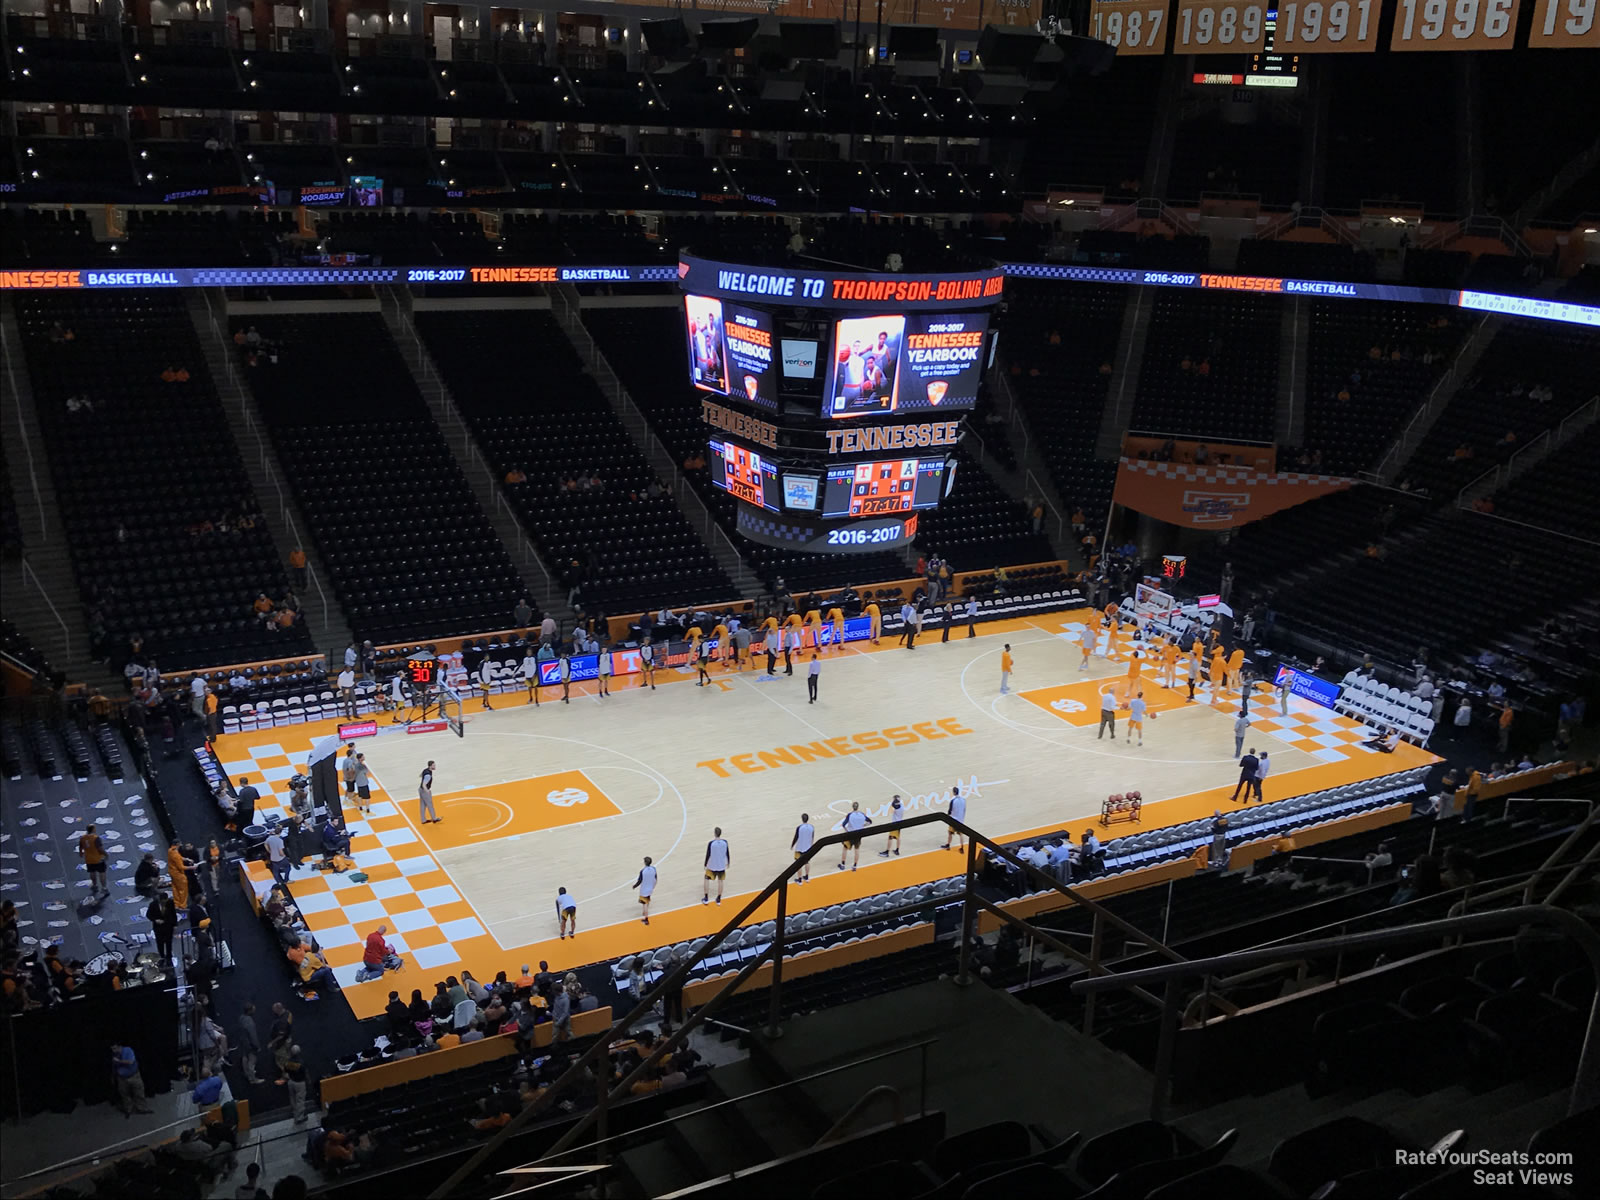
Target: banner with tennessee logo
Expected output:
[1208,496]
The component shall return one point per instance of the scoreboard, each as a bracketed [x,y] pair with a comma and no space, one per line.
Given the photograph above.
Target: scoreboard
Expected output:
[1213,27]
[845,443]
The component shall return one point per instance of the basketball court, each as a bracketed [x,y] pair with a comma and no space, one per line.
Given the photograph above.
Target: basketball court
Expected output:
[574,795]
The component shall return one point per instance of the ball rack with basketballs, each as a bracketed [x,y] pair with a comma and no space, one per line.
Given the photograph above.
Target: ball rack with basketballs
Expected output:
[835,400]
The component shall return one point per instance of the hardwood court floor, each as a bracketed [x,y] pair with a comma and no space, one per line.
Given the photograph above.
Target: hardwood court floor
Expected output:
[576,794]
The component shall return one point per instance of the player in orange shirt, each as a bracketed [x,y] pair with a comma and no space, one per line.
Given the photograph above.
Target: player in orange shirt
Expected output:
[1219,675]
[836,619]
[1236,669]
[724,643]
[1169,664]
[1135,670]
[875,615]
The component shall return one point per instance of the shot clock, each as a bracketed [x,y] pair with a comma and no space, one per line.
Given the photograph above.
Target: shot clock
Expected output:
[424,671]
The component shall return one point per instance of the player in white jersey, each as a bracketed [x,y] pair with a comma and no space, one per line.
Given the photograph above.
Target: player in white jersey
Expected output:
[486,681]
[958,812]
[530,674]
[805,835]
[646,886]
[718,856]
[854,822]
[1136,708]
[1087,640]
[897,813]
[566,912]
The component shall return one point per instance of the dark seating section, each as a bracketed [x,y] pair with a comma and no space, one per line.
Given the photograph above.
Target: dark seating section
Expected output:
[410,553]
[1394,604]
[51,237]
[1108,152]
[1505,396]
[1312,536]
[1370,157]
[1212,155]
[1560,493]
[1229,388]
[11,538]
[1522,152]
[626,549]
[1062,385]
[978,525]
[152,491]
[1357,401]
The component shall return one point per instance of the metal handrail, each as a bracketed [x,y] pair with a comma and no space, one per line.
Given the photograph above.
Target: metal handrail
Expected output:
[867,1098]
[28,573]
[263,458]
[589,1147]
[775,951]
[22,433]
[1586,1082]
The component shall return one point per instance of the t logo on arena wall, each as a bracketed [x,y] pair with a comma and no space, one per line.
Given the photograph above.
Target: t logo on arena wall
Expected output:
[567,797]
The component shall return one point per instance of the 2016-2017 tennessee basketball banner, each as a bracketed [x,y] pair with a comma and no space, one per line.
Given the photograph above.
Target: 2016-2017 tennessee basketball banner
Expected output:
[1204,496]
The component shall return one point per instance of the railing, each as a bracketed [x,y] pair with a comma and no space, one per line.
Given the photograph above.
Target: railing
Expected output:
[1422,420]
[263,456]
[570,315]
[1497,476]
[838,1130]
[774,953]
[1586,1082]
[10,354]
[28,575]
[1031,481]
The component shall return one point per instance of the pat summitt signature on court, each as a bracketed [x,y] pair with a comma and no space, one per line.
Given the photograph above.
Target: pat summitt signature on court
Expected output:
[1492,1168]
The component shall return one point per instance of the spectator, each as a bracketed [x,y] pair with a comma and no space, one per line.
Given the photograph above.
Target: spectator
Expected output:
[163,917]
[249,1044]
[130,1084]
[1418,881]
[294,1074]
[379,955]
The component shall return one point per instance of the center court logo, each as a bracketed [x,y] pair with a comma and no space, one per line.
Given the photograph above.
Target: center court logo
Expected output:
[1068,705]
[567,797]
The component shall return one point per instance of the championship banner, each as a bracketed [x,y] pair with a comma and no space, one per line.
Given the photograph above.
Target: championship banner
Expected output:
[1215,497]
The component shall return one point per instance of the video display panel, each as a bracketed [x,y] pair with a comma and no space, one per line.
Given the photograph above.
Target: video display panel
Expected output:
[708,352]
[905,363]
[742,472]
[730,350]
[875,489]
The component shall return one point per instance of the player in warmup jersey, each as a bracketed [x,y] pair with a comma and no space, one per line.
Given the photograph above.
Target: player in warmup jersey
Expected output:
[805,836]
[486,681]
[1169,663]
[897,813]
[602,672]
[718,856]
[875,617]
[647,664]
[1136,710]
[1236,668]
[566,913]
[1219,675]
[564,672]
[1135,670]
[958,812]
[701,662]
[1086,643]
[645,885]
[836,619]
[1005,669]
[854,822]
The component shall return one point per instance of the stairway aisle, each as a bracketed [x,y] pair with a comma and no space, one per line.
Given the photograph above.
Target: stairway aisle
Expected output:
[41,589]
[565,305]
[540,582]
[330,630]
